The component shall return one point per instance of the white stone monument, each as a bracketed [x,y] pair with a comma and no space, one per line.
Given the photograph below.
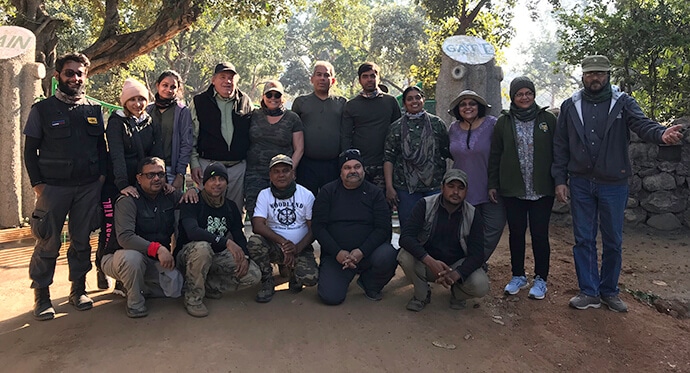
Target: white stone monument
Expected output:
[21,86]
[468,62]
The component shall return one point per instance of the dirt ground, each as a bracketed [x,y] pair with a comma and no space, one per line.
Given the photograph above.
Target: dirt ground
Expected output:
[295,333]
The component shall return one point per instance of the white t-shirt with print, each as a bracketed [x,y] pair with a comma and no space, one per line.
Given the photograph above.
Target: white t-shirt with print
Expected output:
[286,217]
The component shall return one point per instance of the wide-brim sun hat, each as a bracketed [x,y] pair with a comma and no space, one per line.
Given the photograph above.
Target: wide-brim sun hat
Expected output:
[467,94]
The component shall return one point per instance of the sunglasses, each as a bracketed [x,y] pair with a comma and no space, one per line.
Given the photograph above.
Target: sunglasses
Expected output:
[151,175]
[72,73]
[271,94]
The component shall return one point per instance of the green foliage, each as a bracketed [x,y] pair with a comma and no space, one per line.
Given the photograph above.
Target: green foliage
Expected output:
[548,74]
[648,43]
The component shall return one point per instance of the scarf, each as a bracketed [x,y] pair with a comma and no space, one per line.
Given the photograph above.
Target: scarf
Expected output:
[285,193]
[417,157]
[163,103]
[604,95]
[64,97]
[214,202]
[373,94]
[274,113]
[524,115]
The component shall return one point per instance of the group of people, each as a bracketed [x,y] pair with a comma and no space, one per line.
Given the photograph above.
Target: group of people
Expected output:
[330,170]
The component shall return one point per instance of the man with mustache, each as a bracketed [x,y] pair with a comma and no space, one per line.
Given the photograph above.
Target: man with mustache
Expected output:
[282,230]
[65,157]
[144,224]
[321,113]
[352,222]
[211,248]
[444,242]
[590,159]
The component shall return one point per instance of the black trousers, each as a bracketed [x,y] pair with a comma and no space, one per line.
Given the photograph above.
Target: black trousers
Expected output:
[520,213]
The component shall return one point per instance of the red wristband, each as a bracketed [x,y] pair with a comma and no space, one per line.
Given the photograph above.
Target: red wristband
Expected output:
[153,249]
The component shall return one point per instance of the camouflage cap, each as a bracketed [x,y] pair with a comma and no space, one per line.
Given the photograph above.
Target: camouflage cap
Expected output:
[280,158]
[455,174]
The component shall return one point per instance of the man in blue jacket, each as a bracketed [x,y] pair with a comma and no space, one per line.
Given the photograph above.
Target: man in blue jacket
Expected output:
[591,150]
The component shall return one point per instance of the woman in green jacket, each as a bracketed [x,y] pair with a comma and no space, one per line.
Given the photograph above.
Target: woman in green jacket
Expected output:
[520,172]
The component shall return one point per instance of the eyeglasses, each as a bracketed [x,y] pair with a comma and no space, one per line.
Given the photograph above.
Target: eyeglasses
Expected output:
[525,94]
[151,175]
[598,74]
[271,94]
[468,103]
[71,73]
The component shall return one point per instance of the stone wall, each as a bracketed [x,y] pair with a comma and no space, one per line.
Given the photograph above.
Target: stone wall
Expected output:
[659,187]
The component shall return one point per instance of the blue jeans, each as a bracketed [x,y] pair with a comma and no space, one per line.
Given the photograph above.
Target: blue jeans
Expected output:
[593,203]
[406,202]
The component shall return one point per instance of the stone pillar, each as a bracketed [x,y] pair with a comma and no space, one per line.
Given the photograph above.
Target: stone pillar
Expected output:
[21,86]
[468,62]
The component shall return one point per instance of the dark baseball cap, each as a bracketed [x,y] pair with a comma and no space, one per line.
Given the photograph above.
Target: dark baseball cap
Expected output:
[224,66]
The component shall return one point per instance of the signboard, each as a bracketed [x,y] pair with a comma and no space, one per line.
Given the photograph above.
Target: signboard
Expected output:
[468,49]
[15,41]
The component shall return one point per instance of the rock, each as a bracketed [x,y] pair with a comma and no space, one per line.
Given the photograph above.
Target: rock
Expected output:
[647,171]
[633,202]
[659,283]
[682,169]
[560,207]
[635,184]
[499,322]
[686,218]
[662,202]
[467,336]
[447,346]
[667,166]
[664,222]
[680,181]
[635,216]
[638,152]
[662,181]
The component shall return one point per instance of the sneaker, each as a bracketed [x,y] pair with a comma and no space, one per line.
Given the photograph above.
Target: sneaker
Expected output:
[370,294]
[120,289]
[81,302]
[294,286]
[266,292]
[137,313]
[102,280]
[515,284]
[417,305]
[78,297]
[43,308]
[538,290]
[213,294]
[614,303]
[196,310]
[584,301]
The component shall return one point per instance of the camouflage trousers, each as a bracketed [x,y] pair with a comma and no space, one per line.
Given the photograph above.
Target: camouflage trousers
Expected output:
[207,271]
[264,252]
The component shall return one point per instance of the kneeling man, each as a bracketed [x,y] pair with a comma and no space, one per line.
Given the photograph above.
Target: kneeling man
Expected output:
[282,227]
[352,223]
[212,250]
[144,223]
[443,241]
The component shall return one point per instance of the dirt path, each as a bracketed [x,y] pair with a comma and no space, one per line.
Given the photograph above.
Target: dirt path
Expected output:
[295,333]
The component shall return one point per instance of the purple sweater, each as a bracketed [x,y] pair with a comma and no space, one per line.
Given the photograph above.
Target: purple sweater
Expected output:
[475,160]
